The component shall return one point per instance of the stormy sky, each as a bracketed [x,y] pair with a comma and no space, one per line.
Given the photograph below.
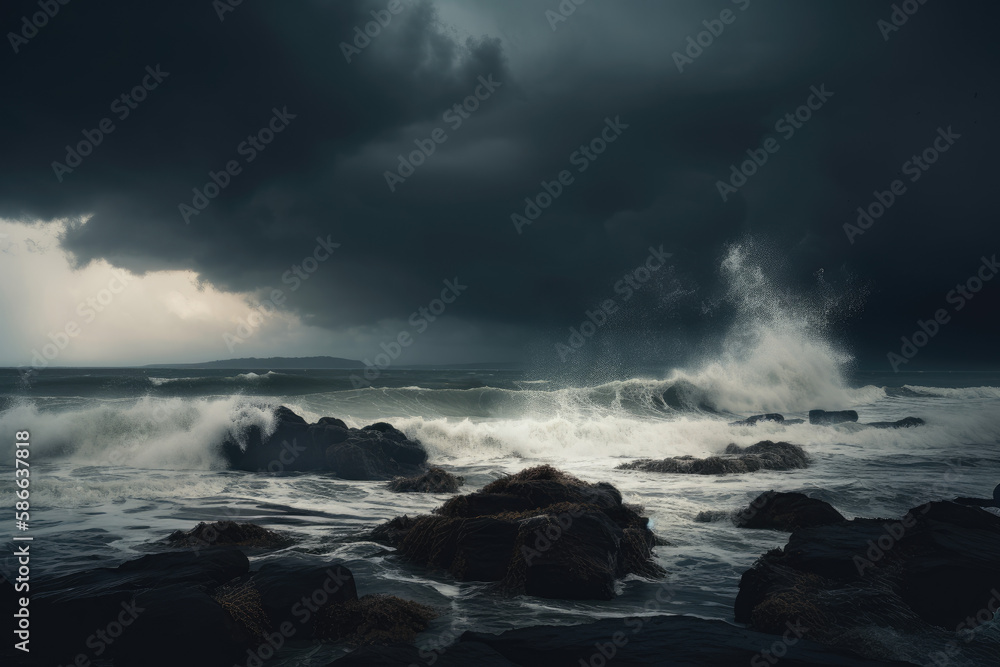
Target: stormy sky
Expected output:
[117,114]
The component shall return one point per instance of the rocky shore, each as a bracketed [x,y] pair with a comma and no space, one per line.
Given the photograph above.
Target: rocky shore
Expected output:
[230,593]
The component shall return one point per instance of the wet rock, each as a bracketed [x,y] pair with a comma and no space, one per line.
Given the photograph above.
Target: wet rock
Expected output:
[752,421]
[908,422]
[765,455]
[378,451]
[129,604]
[435,480]
[919,579]
[374,619]
[822,417]
[540,532]
[786,511]
[228,534]
[207,609]
[179,625]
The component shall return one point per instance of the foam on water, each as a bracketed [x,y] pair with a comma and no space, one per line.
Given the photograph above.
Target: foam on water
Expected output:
[146,433]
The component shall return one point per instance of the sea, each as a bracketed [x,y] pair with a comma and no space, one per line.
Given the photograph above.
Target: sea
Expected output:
[120,458]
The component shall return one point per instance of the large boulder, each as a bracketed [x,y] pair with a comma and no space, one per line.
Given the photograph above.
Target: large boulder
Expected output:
[928,580]
[765,455]
[540,532]
[786,511]
[311,600]
[907,422]
[435,480]
[378,451]
[822,417]
[158,606]
[753,421]
[227,534]
[207,609]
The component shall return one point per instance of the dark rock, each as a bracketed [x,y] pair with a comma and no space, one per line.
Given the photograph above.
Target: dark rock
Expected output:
[752,421]
[765,455]
[385,429]
[374,619]
[684,641]
[822,417]
[332,421]
[540,532]
[206,609]
[786,511]
[228,534]
[320,602]
[283,585]
[378,451]
[435,480]
[902,423]
[66,611]
[204,570]
[918,578]
[177,625]
[393,531]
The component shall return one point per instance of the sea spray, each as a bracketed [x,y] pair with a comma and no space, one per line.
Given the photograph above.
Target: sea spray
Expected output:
[778,355]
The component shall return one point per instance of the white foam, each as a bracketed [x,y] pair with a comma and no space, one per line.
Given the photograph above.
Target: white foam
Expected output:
[961,393]
[777,356]
[149,433]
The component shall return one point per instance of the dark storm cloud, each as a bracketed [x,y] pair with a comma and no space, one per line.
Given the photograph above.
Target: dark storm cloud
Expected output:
[656,184]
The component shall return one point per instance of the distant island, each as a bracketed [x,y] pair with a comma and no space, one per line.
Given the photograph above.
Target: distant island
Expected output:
[310,363]
[270,363]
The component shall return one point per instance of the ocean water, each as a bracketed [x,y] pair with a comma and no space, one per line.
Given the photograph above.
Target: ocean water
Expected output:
[121,458]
